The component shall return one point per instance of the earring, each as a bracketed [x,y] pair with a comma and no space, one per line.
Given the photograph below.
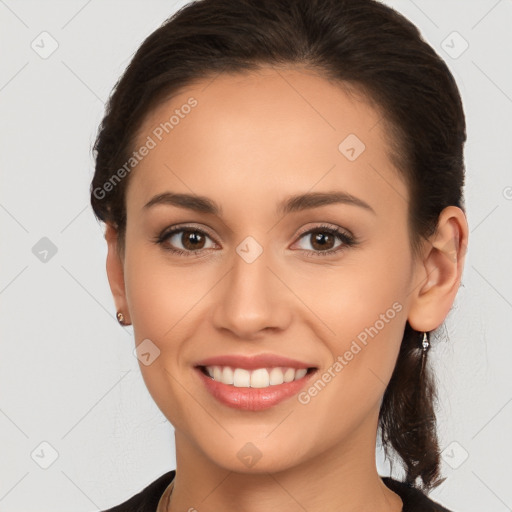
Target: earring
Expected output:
[425,343]
[120,318]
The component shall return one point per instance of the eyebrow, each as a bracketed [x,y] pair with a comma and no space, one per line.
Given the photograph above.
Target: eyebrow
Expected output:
[291,204]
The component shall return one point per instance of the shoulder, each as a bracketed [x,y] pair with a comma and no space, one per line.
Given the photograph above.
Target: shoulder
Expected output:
[147,499]
[413,499]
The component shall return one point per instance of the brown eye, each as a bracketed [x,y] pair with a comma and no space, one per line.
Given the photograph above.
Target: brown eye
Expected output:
[192,240]
[322,241]
[185,240]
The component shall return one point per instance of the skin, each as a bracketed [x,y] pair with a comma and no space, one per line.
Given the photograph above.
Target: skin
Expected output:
[251,141]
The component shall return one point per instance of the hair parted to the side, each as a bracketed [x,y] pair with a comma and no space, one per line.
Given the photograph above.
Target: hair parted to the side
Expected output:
[367,48]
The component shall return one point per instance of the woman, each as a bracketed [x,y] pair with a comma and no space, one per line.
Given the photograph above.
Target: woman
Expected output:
[281,185]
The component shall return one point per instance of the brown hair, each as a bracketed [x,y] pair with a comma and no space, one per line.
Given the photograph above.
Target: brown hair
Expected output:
[365,47]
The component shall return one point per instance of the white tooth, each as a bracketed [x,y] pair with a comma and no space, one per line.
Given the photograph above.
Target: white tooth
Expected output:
[276,376]
[259,378]
[217,373]
[300,373]
[241,378]
[227,375]
[289,374]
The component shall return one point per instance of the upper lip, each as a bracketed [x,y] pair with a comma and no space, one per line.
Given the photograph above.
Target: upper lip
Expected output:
[253,362]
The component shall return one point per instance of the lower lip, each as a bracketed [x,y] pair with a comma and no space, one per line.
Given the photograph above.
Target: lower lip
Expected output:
[253,399]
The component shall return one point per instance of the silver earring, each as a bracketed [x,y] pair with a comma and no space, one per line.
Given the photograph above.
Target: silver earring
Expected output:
[425,343]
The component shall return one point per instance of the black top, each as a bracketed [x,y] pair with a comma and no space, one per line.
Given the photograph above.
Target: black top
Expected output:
[147,499]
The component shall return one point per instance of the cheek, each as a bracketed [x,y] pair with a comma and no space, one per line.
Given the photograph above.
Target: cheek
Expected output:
[160,295]
[161,298]
[366,323]
[364,305]
[354,294]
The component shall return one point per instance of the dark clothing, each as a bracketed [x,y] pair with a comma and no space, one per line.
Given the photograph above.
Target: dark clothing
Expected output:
[147,499]
[413,499]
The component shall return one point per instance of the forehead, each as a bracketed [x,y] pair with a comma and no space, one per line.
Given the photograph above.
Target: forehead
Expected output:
[265,133]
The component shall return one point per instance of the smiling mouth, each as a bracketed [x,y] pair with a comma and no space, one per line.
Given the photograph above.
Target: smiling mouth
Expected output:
[257,378]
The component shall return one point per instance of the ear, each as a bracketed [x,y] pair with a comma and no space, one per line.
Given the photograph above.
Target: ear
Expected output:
[437,276]
[115,271]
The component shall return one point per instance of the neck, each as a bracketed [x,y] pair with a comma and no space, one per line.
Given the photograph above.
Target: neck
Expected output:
[343,478]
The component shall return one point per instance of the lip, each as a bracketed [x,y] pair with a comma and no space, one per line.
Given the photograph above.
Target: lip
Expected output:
[252,399]
[254,362]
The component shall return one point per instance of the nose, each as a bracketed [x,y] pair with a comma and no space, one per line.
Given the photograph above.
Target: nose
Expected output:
[253,299]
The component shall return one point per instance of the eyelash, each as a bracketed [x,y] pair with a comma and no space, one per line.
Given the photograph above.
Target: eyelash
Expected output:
[348,240]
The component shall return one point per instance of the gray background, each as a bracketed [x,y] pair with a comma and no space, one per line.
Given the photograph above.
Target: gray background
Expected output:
[78,429]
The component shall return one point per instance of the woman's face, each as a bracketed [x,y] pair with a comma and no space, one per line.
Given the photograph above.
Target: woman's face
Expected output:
[257,277]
